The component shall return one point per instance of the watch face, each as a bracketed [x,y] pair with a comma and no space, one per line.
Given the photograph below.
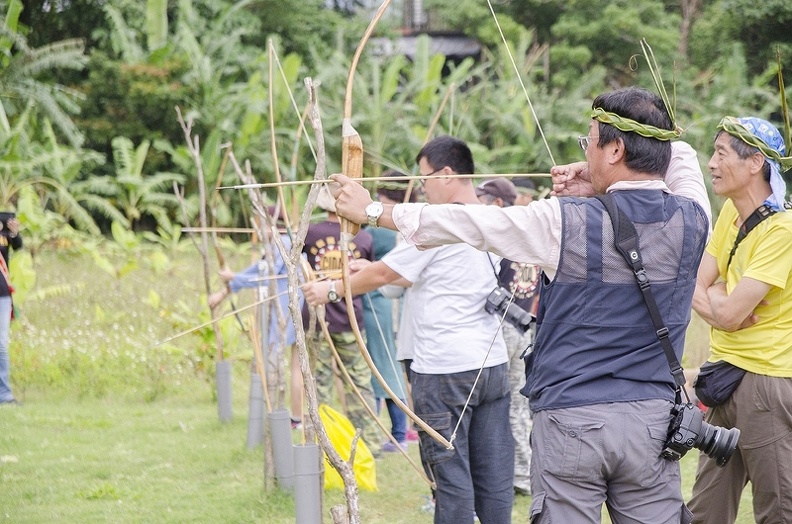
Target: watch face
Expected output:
[332,295]
[373,212]
[374,209]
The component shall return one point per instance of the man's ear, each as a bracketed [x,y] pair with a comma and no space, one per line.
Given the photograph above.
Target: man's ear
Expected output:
[447,175]
[757,163]
[614,151]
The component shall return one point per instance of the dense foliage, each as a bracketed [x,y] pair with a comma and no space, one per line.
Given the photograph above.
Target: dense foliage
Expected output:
[79,78]
[90,145]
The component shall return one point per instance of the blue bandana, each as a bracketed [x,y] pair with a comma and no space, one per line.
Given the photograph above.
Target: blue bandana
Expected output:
[768,133]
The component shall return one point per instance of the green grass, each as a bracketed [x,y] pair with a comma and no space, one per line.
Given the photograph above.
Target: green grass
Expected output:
[117,428]
[119,461]
[171,460]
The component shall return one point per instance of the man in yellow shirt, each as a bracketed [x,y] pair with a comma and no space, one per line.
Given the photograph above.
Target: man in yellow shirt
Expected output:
[744,291]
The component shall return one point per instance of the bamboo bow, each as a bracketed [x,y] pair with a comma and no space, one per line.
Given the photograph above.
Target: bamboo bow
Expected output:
[352,166]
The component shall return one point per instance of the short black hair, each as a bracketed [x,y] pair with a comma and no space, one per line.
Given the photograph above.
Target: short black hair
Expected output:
[447,151]
[642,154]
[744,151]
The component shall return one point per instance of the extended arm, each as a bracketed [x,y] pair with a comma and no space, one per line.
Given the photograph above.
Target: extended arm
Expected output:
[367,279]
[247,278]
[537,225]
[683,178]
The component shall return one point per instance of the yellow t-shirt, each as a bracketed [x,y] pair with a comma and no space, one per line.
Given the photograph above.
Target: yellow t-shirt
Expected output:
[765,254]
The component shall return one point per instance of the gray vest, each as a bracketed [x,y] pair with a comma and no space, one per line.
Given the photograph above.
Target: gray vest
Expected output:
[595,342]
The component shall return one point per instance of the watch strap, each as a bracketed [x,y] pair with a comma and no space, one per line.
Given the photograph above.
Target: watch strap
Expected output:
[374,219]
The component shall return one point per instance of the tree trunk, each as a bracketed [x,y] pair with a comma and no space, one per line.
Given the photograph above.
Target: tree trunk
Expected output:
[690,10]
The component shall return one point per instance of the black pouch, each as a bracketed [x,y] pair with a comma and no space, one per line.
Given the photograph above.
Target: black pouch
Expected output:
[716,382]
[529,359]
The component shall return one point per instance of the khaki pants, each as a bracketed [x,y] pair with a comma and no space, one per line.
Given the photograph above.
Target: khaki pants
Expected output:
[605,453]
[761,407]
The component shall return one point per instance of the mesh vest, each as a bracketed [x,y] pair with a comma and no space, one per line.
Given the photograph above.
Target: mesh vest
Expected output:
[595,342]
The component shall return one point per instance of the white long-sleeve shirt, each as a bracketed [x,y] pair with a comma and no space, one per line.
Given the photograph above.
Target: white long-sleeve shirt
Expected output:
[532,234]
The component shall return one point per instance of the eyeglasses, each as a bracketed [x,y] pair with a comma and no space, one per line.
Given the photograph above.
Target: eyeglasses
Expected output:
[584,141]
[423,180]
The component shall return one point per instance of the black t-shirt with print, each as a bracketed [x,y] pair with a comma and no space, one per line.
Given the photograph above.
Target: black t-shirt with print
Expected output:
[324,256]
[522,280]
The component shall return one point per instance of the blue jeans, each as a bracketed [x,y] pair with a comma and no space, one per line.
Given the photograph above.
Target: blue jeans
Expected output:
[5,371]
[398,419]
[477,475]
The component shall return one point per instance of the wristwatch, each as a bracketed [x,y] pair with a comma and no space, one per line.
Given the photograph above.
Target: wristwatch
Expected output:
[332,295]
[373,212]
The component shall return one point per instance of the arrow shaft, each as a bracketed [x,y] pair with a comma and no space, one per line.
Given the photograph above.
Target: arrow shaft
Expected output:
[384,179]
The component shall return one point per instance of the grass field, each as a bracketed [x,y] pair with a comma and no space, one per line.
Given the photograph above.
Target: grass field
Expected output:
[172,461]
[116,428]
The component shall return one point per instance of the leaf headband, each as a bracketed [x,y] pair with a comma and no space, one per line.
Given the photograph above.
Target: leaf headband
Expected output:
[629,125]
[734,127]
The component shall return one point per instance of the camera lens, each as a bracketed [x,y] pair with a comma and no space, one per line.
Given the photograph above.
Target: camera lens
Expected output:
[518,317]
[717,443]
[688,430]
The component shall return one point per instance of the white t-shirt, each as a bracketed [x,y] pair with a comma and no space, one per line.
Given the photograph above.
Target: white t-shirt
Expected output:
[405,349]
[449,330]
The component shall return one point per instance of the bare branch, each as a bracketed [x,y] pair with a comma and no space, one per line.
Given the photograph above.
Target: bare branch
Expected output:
[193,146]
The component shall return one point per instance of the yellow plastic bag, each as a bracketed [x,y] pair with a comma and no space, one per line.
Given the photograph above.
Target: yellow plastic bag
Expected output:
[341,432]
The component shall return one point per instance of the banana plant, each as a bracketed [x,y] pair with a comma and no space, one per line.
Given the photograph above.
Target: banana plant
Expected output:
[21,70]
[138,195]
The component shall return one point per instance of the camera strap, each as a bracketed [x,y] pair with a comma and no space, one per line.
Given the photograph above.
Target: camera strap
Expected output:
[626,238]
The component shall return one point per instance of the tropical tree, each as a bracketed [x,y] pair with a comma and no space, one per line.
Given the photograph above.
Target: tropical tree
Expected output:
[137,195]
[54,171]
[78,194]
[203,66]
[761,27]
[51,21]
[475,19]
[44,228]
[27,75]
[34,118]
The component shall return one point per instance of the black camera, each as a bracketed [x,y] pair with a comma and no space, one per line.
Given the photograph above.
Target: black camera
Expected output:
[688,430]
[499,302]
